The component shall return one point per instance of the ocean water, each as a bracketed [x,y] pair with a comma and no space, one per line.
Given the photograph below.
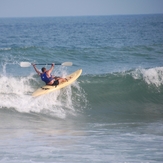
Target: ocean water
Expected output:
[112,113]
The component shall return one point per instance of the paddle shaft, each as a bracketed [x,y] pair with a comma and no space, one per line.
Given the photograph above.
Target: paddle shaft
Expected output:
[47,64]
[27,64]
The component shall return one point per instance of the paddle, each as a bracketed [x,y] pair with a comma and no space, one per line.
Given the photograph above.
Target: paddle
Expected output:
[27,64]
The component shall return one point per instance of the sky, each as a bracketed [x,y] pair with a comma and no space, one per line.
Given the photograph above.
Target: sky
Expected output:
[46,8]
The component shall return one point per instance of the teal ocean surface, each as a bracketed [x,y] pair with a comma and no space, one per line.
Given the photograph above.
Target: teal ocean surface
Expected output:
[112,113]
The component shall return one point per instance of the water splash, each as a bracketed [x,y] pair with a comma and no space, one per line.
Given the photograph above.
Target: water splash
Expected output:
[15,93]
[152,76]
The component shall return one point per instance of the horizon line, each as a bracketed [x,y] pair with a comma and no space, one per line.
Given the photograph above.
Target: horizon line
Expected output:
[81,15]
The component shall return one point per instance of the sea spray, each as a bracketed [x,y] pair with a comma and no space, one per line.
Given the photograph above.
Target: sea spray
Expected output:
[15,92]
[152,76]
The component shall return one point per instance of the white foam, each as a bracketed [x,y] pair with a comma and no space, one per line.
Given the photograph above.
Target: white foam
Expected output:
[150,76]
[5,49]
[15,92]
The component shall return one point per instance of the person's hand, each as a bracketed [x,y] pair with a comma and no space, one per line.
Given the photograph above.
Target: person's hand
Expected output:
[33,64]
[52,64]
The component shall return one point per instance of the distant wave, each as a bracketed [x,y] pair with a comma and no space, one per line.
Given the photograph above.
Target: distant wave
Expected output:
[5,49]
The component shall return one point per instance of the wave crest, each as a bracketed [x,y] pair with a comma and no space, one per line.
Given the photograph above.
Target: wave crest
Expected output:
[150,76]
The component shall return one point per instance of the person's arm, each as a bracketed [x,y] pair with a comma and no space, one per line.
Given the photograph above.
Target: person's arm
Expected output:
[38,72]
[51,69]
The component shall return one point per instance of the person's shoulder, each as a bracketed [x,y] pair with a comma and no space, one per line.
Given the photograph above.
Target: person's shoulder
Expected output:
[40,73]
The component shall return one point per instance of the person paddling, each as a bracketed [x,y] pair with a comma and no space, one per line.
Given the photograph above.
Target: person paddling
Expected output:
[47,77]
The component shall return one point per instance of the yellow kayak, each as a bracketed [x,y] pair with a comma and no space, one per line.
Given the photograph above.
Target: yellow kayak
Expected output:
[48,88]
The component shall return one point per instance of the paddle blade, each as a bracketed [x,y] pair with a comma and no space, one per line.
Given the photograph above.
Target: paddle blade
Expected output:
[25,64]
[67,64]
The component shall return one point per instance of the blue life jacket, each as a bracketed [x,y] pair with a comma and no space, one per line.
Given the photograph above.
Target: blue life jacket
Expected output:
[45,78]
